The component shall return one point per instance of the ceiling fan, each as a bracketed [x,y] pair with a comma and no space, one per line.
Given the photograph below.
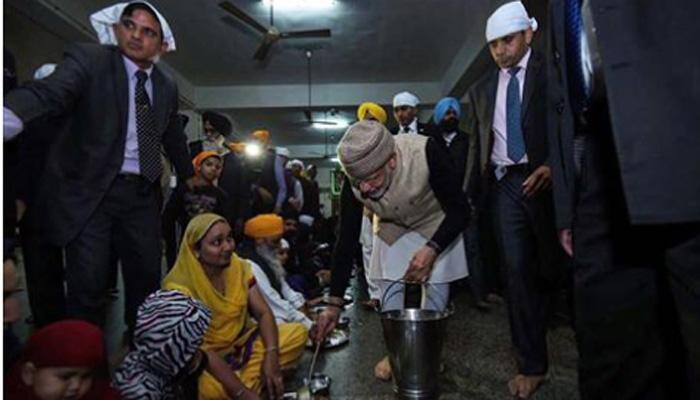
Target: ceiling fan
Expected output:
[271,34]
[307,113]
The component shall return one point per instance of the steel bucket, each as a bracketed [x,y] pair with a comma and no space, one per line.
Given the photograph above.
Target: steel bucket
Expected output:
[414,339]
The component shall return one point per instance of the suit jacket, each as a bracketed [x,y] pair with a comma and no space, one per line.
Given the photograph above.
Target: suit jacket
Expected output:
[423,129]
[653,105]
[91,87]
[481,99]
[458,150]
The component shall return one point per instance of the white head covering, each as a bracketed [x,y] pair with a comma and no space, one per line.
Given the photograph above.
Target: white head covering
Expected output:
[508,18]
[44,71]
[296,162]
[103,21]
[282,151]
[284,244]
[306,220]
[406,99]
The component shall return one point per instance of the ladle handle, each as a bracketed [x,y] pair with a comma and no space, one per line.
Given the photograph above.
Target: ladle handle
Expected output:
[313,359]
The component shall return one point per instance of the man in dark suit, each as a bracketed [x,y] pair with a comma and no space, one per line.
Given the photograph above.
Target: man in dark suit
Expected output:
[43,262]
[456,142]
[406,115]
[102,172]
[624,152]
[506,112]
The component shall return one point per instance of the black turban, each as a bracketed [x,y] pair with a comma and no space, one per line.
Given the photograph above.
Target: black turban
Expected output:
[218,121]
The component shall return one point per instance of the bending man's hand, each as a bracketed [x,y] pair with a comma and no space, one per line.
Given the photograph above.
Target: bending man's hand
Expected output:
[540,179]
[421,265]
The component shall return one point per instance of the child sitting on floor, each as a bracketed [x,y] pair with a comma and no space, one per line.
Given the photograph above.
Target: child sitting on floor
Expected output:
[62,360]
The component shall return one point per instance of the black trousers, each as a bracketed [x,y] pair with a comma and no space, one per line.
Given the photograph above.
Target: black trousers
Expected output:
[514,226]
[127,221]
[637,292]
[43,270]
[478,281]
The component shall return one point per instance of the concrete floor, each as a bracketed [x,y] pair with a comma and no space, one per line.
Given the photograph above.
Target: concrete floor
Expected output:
[477,356]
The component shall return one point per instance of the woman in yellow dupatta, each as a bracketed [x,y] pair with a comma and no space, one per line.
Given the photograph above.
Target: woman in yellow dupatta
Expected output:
[208,270]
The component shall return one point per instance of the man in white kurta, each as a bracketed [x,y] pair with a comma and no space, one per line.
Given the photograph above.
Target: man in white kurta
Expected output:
[408,183]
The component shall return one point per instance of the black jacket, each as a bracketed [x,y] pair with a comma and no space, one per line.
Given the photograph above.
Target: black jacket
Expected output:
[90,85]
[458,150]
[653,103]
[479,111]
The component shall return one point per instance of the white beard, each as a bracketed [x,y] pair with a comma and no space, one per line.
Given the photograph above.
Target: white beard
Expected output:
[269,254]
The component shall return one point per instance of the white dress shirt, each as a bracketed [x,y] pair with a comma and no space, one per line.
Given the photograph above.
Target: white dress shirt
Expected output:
[412,127]
[499,154]
[131,149]
[449,137]
[11,124]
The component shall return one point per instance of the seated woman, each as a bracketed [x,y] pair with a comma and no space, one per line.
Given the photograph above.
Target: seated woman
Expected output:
[62,360]
[209,271]
[166,361]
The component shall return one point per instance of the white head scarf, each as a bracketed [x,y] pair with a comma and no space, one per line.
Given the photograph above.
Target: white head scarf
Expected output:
[282,151]
[44,71]
[406,99]
[103,21]
[295,162]
[507,19]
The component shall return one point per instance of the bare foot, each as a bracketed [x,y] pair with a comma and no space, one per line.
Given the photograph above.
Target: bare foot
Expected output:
[383,369]
[524,386]
[494,298]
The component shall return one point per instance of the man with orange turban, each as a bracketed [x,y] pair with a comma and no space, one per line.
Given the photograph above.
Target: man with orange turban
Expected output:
[261,246]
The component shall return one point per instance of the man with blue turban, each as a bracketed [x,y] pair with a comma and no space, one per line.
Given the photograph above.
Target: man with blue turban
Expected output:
[446,119]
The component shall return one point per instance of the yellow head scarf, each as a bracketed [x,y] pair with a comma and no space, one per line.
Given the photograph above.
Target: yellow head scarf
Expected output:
[229,310]
[374,110]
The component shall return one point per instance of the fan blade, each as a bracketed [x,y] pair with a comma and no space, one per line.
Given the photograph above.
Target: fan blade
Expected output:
[331,123]
[264,47]
[315,33]
[241,15]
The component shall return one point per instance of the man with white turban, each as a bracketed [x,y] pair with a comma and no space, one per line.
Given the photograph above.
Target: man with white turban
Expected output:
[506,113]
[406,114]
[102,176]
